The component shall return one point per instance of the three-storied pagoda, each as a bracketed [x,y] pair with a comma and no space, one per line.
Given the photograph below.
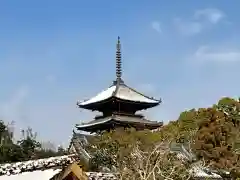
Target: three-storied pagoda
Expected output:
[119,104]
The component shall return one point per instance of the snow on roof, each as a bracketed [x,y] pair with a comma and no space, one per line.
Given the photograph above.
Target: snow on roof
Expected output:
[101,96]
[101,176]
[34,165]
[119,118]
[126,93]
[36,175]
[93,123]
[44,169]
[199,171]
[122,92]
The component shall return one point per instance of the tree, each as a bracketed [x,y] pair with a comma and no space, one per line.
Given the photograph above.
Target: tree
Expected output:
[217,136]
[5,135]
[211,133]
[157,164]
[61,150]
[120,142]
[213,140]
[142,155]
[28,143]
[33,149]
[28,147]
[9,152]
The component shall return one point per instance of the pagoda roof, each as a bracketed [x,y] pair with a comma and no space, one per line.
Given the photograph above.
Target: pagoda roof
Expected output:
[119,90]
[119,119]
[122,92]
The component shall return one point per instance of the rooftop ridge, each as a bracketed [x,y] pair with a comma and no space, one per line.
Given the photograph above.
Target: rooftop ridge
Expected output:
[40,159]
[37,164]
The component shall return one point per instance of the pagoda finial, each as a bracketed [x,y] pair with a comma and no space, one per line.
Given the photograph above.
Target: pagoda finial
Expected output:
[118,61]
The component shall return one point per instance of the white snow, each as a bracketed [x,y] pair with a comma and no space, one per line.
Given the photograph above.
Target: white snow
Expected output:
[127,93]
[101,96]
[123,92]
[36,175]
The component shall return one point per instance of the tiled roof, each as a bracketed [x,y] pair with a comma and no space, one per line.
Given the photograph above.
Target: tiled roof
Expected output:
[36,175]
[119,118]
[77,146]
[197,170]
[44,169]
[120,91]
[203,172]
[101,176]
[33,165]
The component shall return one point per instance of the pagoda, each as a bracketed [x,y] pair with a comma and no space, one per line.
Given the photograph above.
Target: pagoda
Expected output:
[118,105]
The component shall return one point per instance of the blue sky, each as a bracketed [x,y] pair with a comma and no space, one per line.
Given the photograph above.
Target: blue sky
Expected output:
[53,53]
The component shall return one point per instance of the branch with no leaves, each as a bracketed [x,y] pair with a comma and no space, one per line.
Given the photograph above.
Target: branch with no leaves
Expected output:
[158,164]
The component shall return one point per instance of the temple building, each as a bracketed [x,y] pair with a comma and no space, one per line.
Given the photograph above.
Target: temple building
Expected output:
[118,105]
[65,167]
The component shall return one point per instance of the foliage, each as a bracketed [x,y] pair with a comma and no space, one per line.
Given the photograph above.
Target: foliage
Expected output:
[216,137]
[24,149]
[213,135]
[28,143]
[135,154]
[119,143]
[5,134]
[157,164]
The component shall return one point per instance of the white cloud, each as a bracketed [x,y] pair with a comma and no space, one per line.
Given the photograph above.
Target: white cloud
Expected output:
[156,26]
[212,15]
[200,20]
[205,53]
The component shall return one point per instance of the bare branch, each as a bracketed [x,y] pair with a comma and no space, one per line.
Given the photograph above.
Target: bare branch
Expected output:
[158,163]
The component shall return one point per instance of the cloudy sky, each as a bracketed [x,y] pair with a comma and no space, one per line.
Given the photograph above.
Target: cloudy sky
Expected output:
[53,53]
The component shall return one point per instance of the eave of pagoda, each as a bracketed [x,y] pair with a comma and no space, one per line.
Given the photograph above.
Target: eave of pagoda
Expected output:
[120,94]
[112,122]
[119,103]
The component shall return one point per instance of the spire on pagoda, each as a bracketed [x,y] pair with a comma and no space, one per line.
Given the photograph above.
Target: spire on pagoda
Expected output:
[118,105]
[118,62]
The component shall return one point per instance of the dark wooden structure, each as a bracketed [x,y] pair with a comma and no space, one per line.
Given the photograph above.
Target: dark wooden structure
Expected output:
[119,104]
